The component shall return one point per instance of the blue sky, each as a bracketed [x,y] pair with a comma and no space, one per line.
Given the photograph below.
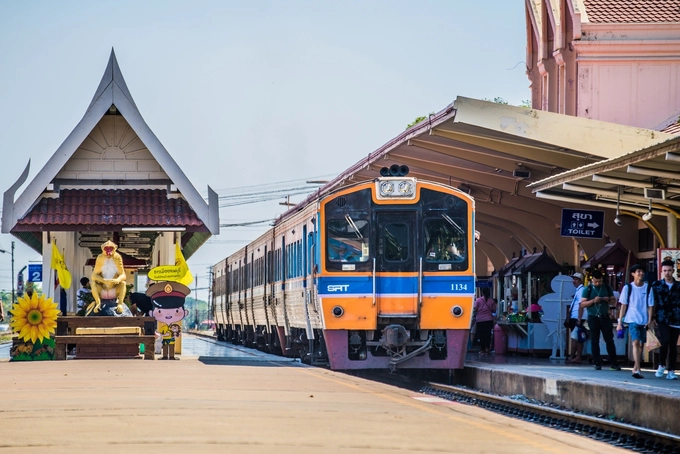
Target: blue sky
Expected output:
[249,93]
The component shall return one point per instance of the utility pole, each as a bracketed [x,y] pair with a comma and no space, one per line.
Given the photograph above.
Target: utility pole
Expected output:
[196,291]
[13,298]
[287,202]
[211,315]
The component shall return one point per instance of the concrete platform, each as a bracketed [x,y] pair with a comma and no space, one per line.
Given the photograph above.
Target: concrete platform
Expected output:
[220,398]
[649,402]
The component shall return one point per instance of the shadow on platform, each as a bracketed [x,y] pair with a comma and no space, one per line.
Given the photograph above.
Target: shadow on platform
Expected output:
[249,362]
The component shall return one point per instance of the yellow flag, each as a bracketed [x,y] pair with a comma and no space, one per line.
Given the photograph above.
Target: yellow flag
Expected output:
[179,261]
[59,265]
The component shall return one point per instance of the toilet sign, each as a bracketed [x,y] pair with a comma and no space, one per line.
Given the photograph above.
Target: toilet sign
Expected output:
[582,223]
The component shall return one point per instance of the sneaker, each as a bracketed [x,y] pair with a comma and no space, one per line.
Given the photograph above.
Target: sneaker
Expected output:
[671,376]
[637,375]
[598,367]
[659,372]
[615,368]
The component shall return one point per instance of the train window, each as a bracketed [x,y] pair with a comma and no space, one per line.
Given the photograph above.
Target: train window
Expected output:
[348,240]
[396,242]
[445,240]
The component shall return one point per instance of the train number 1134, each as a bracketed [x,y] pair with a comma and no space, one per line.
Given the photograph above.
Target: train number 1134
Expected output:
[459,287]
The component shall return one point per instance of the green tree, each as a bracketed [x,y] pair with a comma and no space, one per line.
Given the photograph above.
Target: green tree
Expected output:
[198,311]
[418,120]
[6,303]
[415,122]
[497,100]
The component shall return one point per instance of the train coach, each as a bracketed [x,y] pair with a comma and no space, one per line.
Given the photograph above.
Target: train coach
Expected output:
[379,274]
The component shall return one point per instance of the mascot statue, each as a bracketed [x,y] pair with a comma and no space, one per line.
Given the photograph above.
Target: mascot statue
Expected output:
[108,279]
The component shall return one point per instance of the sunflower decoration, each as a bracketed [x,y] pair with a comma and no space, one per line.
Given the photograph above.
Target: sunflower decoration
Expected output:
[34,317]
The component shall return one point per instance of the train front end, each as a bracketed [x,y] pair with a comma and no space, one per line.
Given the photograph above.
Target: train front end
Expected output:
[396,282]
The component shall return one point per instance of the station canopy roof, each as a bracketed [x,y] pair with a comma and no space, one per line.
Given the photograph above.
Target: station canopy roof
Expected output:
[648,177]
[492,151]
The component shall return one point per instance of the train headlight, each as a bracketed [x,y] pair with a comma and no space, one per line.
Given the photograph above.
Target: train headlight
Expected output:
[338,311]
[386,188]
[395,187]
[457,311]
[405,188]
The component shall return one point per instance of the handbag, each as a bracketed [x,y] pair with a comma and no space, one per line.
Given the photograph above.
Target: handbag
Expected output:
[574,334]
[652,341]
[582,334]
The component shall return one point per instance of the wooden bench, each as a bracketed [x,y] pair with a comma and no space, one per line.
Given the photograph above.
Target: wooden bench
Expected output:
[106,345]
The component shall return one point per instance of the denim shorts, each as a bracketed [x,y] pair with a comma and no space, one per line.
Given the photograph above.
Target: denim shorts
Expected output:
[637,332]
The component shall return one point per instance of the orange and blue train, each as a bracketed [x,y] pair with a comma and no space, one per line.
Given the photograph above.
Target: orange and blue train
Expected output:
[379,274]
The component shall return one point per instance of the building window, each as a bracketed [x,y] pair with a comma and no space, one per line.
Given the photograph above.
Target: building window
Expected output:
[645,240]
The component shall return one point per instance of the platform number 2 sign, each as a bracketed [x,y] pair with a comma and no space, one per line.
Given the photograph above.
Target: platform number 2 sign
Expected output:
[35,272]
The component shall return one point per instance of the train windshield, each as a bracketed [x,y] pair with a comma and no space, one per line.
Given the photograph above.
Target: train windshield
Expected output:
[445,240]
[397,241]
[348,239]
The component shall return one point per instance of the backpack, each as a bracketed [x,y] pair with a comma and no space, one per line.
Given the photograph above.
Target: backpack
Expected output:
[629,286]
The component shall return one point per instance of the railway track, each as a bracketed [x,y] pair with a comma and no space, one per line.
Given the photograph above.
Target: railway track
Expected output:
[616,433]
[627,436]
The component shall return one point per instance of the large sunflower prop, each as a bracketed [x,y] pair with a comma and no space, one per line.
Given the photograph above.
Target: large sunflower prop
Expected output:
[34,317]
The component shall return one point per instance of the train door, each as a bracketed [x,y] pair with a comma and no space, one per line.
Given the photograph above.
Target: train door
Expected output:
[396,264]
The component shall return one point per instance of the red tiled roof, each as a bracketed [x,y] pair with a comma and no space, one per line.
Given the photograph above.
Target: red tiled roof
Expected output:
[632,11]
[672,129]
[110,208]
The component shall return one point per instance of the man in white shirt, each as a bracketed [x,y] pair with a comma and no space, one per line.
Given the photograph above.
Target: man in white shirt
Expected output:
[574,322]
[637,307]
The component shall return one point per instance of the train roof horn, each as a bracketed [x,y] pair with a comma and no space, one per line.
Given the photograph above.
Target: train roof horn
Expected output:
[395,170]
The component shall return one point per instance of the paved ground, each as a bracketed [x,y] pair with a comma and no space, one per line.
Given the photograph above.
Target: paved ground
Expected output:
[219,398]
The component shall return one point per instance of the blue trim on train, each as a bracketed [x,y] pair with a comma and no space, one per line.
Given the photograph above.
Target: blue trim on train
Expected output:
[360,285]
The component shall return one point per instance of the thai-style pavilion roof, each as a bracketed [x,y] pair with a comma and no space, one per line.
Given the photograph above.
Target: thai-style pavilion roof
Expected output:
[111,172]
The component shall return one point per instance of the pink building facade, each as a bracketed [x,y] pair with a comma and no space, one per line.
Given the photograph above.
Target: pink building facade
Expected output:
[611,60]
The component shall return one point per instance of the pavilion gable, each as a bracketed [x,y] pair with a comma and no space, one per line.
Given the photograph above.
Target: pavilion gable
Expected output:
[111,145]
[112,151]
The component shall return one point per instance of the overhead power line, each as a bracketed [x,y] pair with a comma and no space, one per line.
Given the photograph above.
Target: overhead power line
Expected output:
[243,224]
[264,192]
[274,184]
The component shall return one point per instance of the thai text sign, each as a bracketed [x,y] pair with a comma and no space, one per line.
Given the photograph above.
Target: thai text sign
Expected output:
[582,223]
[167,273]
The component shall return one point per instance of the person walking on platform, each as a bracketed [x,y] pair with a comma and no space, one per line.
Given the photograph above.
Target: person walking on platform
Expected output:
[666,294]
[574,320]
[637,308]
[596,299]
[485,308]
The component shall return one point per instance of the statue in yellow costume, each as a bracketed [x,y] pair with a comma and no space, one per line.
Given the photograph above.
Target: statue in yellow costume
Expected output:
[108,278]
